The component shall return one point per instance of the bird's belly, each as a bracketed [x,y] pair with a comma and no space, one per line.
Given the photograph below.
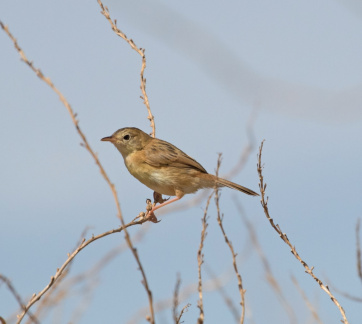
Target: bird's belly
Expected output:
[165,180]
[154,178]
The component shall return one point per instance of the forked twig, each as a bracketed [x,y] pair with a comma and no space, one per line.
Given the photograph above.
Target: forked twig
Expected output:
[183,310]
[283,236]
[141,52]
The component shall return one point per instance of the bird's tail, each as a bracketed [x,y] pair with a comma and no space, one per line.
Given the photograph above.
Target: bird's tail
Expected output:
[226,183]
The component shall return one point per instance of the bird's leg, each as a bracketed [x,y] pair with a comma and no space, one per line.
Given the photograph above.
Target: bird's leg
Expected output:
[165,202]
[157,198]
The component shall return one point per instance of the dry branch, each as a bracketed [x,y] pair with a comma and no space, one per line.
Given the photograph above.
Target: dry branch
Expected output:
[233,254]
[141,52]
[183,310]
[176,298]
[200,260]
[283,236]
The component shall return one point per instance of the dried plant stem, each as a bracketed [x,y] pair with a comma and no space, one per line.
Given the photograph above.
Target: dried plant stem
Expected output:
[307,302]
[233,254]
[70,258]
[85,143]
[200,260]
[183,310]
[175,298]
[283,236]
[141,52]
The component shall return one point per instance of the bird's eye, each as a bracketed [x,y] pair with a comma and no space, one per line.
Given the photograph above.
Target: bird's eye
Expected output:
[126,137]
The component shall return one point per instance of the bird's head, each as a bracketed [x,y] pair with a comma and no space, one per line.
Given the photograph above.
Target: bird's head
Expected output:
[128,140]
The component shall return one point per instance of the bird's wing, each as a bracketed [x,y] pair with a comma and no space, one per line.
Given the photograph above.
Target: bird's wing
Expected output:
[160,153]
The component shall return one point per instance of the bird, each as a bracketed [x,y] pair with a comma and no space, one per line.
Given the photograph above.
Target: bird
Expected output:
[163,167]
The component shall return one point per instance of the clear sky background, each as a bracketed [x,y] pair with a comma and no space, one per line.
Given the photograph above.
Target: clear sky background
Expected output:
[297,66]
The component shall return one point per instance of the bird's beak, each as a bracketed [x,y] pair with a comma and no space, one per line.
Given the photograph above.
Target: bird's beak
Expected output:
[108,139]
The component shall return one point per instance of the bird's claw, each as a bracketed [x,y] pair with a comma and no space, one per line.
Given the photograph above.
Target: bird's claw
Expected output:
[152,217]
[157,198]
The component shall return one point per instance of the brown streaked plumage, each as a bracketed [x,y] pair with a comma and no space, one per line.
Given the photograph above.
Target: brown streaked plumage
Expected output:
[163,167]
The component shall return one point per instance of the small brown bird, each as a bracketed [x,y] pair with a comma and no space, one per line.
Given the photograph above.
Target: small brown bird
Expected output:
[163,167]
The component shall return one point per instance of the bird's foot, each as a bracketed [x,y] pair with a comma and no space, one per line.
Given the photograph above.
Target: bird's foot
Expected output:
[152,217]
[157,198]
[150,214]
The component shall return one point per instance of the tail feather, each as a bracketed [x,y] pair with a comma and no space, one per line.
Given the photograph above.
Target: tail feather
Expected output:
[226,183]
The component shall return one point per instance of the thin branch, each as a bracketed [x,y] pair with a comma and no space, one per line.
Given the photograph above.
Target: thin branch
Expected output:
[17,297]
[267,268]
[183,310]
[97,161]
[283,236]
[233,254]
[175,298]
[307,302]
[200,260]
[141,52]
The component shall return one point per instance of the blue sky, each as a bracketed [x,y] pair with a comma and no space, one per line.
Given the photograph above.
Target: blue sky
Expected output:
[296,65]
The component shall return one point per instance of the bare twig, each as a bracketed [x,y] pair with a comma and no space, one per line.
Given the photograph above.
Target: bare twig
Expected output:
[283,236]
[97,161]
[17,297]
[267,269]
[358,249]
[183,310]
[175,298]
[141,52]
[233,254]
[200,260]
[307,302]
